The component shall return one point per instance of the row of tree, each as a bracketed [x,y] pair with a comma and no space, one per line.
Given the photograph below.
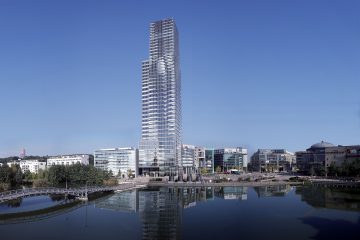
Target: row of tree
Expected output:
[347,169]
[73,175]
[10,175]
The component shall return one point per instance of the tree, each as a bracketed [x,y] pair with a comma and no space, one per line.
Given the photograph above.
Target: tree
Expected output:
[129,173]
[27,176]
[204,171]
[218,169]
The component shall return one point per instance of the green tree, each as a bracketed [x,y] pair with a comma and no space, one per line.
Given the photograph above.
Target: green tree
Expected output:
[27,175]
[203,171]
[218,169]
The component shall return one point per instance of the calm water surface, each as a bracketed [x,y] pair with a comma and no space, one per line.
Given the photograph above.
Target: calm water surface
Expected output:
[277,212]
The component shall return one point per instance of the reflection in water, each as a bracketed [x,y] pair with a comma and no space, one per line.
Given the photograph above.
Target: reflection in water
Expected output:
[160,213]
[160,209]
[272,191]
[334,198]
[229,193]
[14,203]
[175,213]
[329,228]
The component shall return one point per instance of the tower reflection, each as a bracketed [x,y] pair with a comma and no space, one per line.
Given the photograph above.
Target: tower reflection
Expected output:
[160,209]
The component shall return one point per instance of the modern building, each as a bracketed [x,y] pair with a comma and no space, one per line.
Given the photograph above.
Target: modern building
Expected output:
[209,160]
[188,158]
[32,165]
[199,157]
[272,160]
[68,160]
[204,159]
[121,162]
[231,158]
[160,144]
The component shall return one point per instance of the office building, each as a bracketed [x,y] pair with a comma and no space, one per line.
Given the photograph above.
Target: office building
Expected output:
[204,159]
[227,159]
[122,162]
[199,158]
[160,144]
[272,160]
[67,160]
[188,158]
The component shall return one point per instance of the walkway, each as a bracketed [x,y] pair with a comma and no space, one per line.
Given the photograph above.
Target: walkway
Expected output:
[77,192]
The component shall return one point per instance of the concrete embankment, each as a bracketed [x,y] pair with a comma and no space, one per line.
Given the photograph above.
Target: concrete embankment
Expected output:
[222,184]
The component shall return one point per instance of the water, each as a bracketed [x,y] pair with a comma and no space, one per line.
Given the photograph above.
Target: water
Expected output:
[278,212]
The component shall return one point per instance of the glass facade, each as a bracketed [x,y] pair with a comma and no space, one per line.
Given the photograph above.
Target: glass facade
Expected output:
[230,158]
[188,156]
[160,144]
[117,160]
[209,160]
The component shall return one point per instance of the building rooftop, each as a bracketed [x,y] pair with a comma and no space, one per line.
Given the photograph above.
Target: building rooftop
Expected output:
[322,144]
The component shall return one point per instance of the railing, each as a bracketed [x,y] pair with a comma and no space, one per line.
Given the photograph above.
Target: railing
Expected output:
[13,194]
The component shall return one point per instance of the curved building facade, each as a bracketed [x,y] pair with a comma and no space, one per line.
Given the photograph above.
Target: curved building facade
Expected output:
[160,145]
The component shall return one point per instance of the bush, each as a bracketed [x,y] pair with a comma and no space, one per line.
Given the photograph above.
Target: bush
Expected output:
[110,182]
[40,183]
[4,186]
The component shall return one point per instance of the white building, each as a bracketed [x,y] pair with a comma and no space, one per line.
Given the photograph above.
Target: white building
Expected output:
[32,165]
[13,163]
[29,165]
[68,160]
[118,160]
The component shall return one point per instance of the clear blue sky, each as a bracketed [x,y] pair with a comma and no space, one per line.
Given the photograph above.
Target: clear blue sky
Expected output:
[259,74]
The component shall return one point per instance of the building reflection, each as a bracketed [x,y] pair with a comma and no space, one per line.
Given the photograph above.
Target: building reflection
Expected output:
[124,202]
[160,209]
[333,198]
[231,193]
[272,191]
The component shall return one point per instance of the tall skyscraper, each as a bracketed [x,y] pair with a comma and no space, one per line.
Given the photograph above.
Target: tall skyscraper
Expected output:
[160,145]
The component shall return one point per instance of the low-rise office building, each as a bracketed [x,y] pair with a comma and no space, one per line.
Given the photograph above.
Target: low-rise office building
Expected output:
[272,160]
[231,158]
[199,157]
[204,159]
[188,158]
[122,162]
[68,160]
